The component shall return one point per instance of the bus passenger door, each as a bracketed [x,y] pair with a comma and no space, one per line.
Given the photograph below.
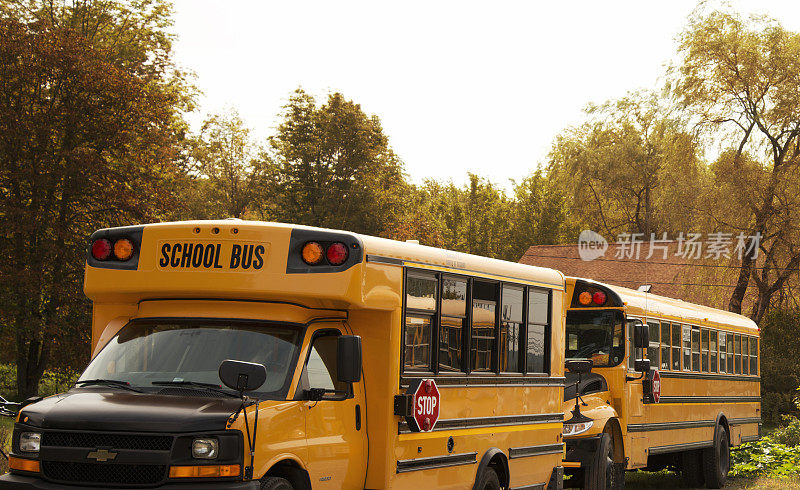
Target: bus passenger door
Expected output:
[336,429]
[636,442]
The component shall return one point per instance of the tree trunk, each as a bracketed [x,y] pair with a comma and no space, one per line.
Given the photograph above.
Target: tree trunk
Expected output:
[735,304]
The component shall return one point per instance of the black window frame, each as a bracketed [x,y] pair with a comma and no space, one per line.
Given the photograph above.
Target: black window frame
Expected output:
[434,369]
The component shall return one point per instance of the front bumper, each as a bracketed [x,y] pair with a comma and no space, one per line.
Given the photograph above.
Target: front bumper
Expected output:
[19,482]
[582,450]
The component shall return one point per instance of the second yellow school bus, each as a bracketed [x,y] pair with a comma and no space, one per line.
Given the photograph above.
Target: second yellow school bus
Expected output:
[698,395]
[333,334]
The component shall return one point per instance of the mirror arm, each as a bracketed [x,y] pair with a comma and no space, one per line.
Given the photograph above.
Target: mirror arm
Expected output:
[631,378]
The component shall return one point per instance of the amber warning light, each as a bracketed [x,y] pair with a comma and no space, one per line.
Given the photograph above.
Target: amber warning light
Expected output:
[122,249]
[314,253]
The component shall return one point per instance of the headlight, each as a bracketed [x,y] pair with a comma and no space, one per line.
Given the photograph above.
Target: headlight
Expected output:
[205,448]
[30,442]
[575,429]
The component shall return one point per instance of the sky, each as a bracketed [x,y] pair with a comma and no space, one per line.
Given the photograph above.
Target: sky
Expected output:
[481,87]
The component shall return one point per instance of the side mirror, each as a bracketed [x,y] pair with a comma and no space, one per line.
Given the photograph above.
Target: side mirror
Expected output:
[641,336]
[348,358]
[641,365]
[242,376]
[580,366]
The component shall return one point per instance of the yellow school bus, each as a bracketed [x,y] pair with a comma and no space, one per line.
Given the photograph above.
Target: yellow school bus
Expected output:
[672,385]
[237,354]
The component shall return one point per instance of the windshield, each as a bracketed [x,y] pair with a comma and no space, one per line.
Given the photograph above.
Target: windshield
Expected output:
[143,353]
[595,335]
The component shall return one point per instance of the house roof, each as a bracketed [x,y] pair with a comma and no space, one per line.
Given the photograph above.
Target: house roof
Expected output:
[667,269]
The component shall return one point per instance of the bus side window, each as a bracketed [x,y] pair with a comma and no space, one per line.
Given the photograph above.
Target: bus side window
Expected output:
[665,364]
[723,356]
[753,355]
[538,331]
[695,349]
[712,350]
[687,348]
[484,323]
[737,344]
[704,349]
[730,353]
[652,350]
[420,313]
[510,329]
[745,356]
[451,326]
[676,347]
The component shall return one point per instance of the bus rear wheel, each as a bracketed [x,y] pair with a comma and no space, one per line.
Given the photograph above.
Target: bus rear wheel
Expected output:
[489,481]
[717,460]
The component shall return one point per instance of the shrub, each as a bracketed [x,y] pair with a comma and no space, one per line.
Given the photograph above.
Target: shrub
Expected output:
[765,458]
[52,382]
[789,434]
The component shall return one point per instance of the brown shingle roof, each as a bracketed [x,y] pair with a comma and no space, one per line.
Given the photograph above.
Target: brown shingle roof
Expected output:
[704,281]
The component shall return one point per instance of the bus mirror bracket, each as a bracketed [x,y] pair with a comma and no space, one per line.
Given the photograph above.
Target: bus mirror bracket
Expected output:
[640,366]
[348,359]
[244,376]
[581,367]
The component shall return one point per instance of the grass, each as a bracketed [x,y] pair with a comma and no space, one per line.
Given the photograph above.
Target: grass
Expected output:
[637,480]
[6,426]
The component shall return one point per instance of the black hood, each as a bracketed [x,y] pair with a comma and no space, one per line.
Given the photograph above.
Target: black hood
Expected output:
[113,410]
[590,383]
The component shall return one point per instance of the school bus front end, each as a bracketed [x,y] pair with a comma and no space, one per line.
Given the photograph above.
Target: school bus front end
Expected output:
[235,354]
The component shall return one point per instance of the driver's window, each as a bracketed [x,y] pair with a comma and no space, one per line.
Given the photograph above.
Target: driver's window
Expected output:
[320,370]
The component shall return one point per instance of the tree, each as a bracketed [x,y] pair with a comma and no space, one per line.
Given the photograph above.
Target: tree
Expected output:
[335,167]
[539,216]
[231,177]
[739,78]
[90,135]
[630,168]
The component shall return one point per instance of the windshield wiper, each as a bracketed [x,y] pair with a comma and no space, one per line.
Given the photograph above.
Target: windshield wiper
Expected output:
[110,382]
[196,384]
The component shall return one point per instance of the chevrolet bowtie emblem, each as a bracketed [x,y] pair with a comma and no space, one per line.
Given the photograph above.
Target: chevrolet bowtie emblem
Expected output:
[101,455]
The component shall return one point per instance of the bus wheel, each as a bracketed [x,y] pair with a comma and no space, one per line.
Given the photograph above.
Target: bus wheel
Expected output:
[275,483]
[489,481]
[717,460]
[603,474]
[692,469]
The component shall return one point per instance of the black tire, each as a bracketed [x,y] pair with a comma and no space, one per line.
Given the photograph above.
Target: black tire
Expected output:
[489,481]
[717,460]
[603,474]
[692,469]
[275,483]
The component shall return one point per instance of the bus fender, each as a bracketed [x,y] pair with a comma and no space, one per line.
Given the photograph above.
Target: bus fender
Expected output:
[722,421]
[497,459]
[287,466]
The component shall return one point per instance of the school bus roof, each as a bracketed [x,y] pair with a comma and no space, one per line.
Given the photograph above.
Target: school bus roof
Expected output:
[158,271]
[412,254]
[648,304]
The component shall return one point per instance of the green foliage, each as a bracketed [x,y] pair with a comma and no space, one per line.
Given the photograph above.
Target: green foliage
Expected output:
[789,434]
[52,382]
[334,167]
[765,458]
[630,168]
[780,373]
[91,123]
